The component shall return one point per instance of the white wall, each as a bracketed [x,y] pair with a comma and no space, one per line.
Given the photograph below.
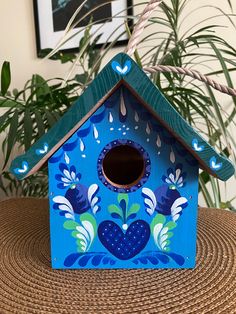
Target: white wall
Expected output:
[17,42]
[17,38]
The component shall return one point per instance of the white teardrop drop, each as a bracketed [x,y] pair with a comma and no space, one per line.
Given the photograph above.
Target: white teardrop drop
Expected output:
[122,105]
[67,159]
[148,130]
[82,146]
[136,116]
[172,156]
[110,117]
[158,141]
[95,132]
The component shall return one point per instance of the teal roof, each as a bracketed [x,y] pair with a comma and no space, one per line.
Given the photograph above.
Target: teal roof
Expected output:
[122,70]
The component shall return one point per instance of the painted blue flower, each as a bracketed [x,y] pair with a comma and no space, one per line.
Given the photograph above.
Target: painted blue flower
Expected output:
[175,177]
[68,178]
[166,200]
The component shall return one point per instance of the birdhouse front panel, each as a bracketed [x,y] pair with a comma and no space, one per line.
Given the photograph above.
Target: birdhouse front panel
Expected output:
[123,192]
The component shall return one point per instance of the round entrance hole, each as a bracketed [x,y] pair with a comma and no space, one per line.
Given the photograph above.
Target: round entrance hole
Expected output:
[123,166]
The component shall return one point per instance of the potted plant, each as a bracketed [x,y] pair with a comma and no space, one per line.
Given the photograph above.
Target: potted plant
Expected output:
[30,112]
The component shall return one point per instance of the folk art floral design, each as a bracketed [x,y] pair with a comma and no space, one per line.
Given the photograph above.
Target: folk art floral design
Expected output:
[124,236]
[107,227]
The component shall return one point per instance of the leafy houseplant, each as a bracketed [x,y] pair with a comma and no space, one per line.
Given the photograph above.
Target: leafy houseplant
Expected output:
[30,112]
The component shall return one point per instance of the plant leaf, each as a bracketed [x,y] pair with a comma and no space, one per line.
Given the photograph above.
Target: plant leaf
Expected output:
[5,77]
[28,129]
[12,136]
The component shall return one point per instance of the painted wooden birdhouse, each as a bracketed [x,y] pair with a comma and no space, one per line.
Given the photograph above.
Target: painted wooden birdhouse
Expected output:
[123,176]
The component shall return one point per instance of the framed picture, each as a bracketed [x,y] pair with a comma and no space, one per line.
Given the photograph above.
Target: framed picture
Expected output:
[52,17]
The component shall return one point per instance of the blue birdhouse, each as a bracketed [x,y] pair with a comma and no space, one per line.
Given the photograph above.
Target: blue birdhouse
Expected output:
[123,176]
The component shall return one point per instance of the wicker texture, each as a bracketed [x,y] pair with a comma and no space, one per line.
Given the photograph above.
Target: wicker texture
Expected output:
[29,285]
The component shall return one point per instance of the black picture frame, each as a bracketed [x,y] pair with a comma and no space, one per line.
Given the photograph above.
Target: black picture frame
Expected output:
[42,31]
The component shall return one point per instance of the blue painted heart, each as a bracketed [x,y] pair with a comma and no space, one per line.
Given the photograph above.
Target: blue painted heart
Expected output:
[122,245]
[22,170]
[196,146]
[214,165]
[121,70]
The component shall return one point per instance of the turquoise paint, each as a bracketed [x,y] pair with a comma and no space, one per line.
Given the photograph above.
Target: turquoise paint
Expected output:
[123,69]
[82,151]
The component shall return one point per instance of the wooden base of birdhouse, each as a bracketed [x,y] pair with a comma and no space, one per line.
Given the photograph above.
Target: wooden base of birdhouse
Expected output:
[123,192]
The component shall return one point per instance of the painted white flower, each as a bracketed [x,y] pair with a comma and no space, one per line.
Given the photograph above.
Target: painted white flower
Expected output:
[68,176]
[175,176]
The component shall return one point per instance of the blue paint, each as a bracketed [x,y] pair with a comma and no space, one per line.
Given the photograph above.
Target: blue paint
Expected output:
[122,245]
[43,150]
[82,207]
[214,165]
[70,146]
[24,168]
[196,146]
[121,70]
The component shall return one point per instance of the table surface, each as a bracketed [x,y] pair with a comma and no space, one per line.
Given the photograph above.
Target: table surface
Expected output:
[29,285]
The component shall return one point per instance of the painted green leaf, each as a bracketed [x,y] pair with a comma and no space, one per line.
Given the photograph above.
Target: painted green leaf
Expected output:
[171,225]
[90,218]
[78,242]
[84,233]
[74,234]
[167,242]
[158,219]
[81,245]
[123,196]
[70,225]
[89,227]
[133,209]
[170,235]
[114,209]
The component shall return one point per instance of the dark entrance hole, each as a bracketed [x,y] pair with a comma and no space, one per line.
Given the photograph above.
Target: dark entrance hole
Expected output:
[123,166]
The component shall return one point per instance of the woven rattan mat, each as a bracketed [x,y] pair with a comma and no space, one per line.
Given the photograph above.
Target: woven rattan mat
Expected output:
[29,285]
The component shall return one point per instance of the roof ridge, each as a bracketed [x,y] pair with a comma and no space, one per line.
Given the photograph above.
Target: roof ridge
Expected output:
[121,70]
